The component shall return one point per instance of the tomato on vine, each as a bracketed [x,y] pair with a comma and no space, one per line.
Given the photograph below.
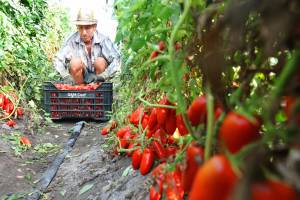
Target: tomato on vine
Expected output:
[237,131]
[215,180]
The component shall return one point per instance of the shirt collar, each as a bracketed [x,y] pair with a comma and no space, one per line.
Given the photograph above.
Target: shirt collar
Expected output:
[96,39]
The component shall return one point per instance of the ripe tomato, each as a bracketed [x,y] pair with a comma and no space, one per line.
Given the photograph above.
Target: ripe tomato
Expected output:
[170,125]
[153,55]
[19,112]
[236,131]
[104,131]
[153,194]
[126,139]
[25,141]
[147,161]
[162,114]
[2,100]
[272,190]
[181,125]
[174,189]
[122,131]
[215,180]
[161,45]
[135,116]
[177,45]
[197,111]
[152,119]
[194,158]
[159,150]
[289,102]
[145,121]
[136,158]
[160,135]
[10,123]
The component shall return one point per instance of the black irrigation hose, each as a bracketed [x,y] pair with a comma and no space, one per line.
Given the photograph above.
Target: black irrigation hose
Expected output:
[50,173]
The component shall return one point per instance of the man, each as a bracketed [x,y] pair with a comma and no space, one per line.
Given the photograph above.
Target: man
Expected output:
[87,56]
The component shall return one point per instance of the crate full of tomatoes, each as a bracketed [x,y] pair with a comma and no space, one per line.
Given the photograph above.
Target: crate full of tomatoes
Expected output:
[91,101]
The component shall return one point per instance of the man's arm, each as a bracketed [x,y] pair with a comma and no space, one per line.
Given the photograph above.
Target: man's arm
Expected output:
[112,57]
[62,60]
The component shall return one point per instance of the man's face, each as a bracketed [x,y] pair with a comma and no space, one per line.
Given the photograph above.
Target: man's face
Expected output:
[86,32]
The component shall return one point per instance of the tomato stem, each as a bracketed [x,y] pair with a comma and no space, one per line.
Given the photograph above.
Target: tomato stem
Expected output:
[210,123]
[155,105]
[288,71]
[174,71]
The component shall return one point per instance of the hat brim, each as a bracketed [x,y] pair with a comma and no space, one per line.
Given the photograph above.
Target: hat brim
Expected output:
[85,22]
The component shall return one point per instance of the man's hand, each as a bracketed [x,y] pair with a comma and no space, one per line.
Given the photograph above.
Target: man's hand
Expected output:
[90,78]
[68,80]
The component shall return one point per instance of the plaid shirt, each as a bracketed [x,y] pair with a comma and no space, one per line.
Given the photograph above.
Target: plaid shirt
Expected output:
[75,47]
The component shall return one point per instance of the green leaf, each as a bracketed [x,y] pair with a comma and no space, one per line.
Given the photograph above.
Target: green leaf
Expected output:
[86,188]
[137,43]
[127,171]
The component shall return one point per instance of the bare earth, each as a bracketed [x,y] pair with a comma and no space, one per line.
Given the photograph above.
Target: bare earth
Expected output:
[88,172]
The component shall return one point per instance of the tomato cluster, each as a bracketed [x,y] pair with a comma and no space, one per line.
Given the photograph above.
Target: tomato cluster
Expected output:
[7,108]
[157,140]
[91,86]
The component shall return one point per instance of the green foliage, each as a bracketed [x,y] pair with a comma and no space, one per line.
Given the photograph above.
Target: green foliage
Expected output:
[30,35]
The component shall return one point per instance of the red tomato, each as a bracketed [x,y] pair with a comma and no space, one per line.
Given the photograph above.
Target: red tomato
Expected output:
[171,150]
[215,180]
[10,123]
[161,45]
[194,158]
[159,150]
[160,135]
[272,190]
[177,45]
[149,133]
[136,158]
[153,55]
[236,131]
[174,189]
[104,131]
[126,139]
[153,194]
[145,121]
[25,141]
[162,114]
[181,125]
[152,119]
[122,131]
[218,111]
[147,161]
[19,112]
[288,108]
[2,100]
[197,111]
[135,116]
[170,125]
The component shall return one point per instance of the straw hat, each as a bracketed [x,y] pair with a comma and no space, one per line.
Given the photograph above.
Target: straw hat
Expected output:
[86,16]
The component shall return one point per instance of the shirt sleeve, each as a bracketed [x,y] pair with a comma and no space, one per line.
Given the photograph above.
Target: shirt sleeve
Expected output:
[62,60]
[112,57]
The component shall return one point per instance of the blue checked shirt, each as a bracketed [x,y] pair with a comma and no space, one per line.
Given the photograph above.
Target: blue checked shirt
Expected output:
[75,47]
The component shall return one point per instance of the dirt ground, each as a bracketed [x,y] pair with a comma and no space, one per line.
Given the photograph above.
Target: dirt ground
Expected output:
[88,172]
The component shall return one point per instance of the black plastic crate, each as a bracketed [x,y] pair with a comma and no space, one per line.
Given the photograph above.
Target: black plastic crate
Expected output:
[78,104]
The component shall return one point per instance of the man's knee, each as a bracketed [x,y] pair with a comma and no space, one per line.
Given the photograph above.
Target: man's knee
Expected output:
[76,65]
[100,65]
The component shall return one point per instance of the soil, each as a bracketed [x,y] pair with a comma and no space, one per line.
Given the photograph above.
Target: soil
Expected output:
[88,172]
